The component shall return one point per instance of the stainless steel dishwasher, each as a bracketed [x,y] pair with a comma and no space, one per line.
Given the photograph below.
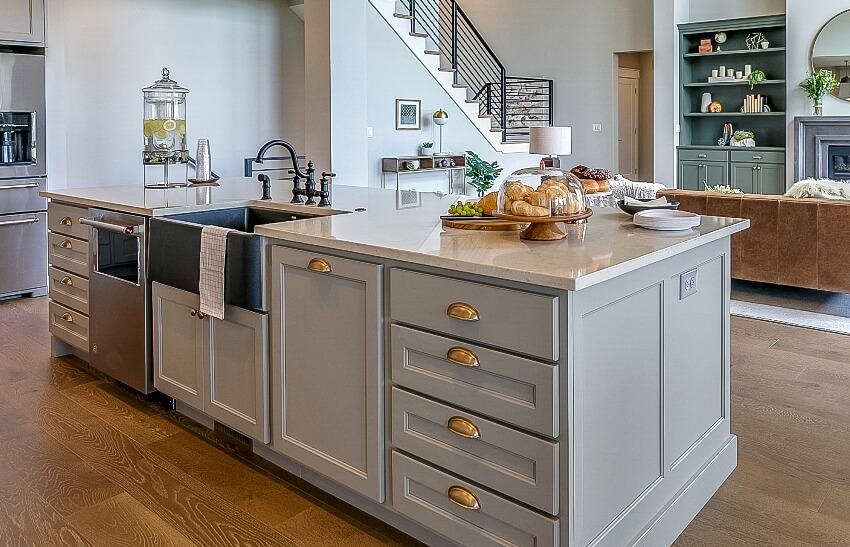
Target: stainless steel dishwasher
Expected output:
[119,341]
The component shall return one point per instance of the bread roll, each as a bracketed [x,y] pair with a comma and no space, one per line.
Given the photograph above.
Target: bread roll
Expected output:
[602,186]
[489,203]
[523,209]
[590,186]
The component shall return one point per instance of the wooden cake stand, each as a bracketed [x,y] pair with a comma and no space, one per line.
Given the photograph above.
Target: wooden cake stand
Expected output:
[545,228]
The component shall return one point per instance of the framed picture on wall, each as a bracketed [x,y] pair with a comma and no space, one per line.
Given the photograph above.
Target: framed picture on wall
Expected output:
[408,114]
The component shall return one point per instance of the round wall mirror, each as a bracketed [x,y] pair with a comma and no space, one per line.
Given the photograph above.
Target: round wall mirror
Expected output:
[831,50]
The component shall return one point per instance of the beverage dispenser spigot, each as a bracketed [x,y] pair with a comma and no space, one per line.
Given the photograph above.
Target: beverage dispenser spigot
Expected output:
[166,154]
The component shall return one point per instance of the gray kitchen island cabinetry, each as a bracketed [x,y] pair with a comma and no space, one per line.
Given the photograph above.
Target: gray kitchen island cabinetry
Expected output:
[22,22]
[327,366]
[217,367]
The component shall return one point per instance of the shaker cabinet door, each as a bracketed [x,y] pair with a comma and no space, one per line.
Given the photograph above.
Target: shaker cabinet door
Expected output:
[327,366]
[178,345]
[745,177]
[238,370]
[22,22]
[772,178]
[690,175]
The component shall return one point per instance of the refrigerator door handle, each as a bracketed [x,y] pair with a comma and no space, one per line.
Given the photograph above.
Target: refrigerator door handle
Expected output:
[23,221]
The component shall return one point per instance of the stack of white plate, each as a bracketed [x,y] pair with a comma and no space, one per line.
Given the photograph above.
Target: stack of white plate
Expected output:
[666,219]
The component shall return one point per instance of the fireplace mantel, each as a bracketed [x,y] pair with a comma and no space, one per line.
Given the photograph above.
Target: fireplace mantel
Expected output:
[812,137]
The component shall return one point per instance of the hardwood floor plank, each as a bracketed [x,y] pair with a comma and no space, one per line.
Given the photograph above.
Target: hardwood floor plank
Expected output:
[121,521]
[111,403]
[319,526]
[26,316]
[174,496]
[53,472]
[837,502]
[27,520]
[267,498]
[713,528]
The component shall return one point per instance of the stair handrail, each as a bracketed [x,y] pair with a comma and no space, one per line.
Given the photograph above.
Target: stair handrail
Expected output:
[434,22]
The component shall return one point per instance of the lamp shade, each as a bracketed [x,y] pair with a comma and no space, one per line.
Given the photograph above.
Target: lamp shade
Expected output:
[550,141]
[441,117]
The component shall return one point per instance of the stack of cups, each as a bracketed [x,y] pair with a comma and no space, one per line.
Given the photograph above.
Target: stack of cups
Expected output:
[202,169]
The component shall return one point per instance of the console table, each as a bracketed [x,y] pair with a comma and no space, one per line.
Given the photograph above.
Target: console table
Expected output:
[427,164]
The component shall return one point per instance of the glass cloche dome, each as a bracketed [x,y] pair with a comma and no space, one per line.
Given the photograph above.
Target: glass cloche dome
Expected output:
[541,192]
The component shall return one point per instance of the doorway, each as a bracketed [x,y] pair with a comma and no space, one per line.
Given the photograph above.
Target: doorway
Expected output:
[635,115]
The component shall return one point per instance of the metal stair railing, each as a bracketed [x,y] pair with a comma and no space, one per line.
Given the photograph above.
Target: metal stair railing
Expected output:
[513,104]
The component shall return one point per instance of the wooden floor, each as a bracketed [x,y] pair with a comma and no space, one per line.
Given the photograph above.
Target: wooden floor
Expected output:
[84,462]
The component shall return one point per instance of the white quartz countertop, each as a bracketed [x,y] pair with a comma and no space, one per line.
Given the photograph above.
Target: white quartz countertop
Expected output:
[406,227]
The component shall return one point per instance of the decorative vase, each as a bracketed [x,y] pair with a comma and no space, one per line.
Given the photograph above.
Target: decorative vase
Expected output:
[765,45]
[818,108]
[426,151]
[706,100]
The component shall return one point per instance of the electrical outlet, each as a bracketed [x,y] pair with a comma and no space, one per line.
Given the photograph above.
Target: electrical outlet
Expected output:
[687,284]
[597,127]
[369,133]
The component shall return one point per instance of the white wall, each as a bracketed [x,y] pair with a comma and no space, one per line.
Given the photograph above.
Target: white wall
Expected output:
[666,15]
[243,61]
[394,73]
[573,43]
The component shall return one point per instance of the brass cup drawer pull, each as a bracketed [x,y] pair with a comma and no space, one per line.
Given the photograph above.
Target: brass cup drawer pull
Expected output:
[201,315]
[67,221]
[319,265]
[463,427]
[463,357]
[702,156]
[68,317]
[464,498]
[462,312]
[67,281]
[193,312]
[67,244]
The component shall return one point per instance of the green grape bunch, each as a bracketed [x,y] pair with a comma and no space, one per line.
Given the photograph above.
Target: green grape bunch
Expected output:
[468,209]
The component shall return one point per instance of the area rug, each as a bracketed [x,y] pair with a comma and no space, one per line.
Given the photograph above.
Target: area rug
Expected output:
[792,306]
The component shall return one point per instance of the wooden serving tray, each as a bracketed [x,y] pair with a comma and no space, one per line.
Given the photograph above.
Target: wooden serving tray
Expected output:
[486,225]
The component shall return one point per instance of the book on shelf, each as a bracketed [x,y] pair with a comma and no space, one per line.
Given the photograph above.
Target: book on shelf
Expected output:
[754,102]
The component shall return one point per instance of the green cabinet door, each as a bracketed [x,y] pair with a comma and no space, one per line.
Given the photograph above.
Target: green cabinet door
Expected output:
[690,175]
[745,177]
[772,178]
[715,173]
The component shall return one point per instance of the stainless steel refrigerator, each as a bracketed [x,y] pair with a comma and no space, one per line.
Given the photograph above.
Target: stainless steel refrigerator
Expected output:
[23,173]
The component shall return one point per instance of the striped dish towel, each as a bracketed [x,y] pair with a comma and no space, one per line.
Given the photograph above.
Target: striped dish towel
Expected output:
[211,285]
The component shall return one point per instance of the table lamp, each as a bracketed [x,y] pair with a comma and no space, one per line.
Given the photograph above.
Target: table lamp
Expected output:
[441,118]
[552,142]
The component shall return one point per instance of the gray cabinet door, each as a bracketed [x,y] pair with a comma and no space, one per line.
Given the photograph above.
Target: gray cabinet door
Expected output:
[690,175]
[715,173]
[22,21]
[772,178]
[745,177]
[328,366]
[178,345]
[238,371]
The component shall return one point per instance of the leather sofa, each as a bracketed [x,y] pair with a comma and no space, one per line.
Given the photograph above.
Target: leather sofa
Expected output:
[798,242]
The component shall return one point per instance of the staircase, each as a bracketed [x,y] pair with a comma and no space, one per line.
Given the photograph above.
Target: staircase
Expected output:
[446,42]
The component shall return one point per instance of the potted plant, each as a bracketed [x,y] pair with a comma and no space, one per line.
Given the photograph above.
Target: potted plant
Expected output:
[481,174]
[426,149]
[816,85]
[756,77]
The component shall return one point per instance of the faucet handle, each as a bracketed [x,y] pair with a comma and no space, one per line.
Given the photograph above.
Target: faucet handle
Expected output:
[326,175]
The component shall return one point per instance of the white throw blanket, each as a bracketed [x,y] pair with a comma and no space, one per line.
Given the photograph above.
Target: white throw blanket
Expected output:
[211,284]
[819,188]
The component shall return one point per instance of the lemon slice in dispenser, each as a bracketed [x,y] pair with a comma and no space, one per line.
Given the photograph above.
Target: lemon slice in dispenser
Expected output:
[156,125]
[169,125]
[146,128]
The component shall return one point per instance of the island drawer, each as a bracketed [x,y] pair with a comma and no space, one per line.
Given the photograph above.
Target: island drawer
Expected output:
[757,157]
[513,463]
[519,391]
[65,219]
[69,253]
[463,512]
[69,289]
[70,326]
[517,321]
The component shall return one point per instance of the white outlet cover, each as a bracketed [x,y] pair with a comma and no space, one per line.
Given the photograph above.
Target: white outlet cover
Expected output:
[369,133]
[597,127]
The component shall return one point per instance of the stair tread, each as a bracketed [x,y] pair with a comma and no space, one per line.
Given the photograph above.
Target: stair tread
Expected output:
[446,69]
[402,15]
[460,86]
[432,52]
[418,34]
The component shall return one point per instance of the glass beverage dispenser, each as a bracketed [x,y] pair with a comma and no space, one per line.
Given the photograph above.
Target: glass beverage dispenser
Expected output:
[165,156]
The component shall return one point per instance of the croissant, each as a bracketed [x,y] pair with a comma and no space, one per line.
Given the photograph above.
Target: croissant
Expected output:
[521,208]
[489,203]
[590,186]
[516,190]
[538,198]
[602,186]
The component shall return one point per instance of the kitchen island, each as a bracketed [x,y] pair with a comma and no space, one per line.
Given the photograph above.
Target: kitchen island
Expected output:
[472,388]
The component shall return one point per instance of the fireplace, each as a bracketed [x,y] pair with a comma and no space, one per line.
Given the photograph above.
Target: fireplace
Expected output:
[822,147]
[839,162]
